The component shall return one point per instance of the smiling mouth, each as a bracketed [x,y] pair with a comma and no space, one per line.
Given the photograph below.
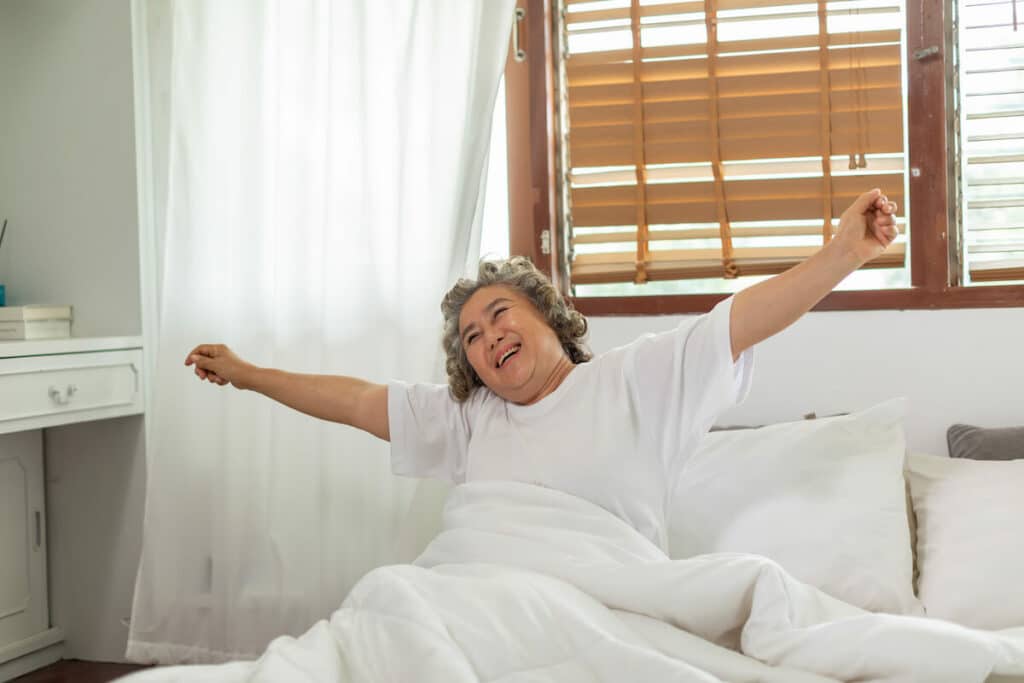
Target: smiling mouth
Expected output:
[508,354]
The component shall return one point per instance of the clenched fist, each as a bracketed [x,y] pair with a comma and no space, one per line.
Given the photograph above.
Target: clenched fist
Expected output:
[868,226]
[218,364]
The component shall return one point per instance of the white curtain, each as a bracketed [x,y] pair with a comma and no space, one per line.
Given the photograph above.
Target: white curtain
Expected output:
[324,188]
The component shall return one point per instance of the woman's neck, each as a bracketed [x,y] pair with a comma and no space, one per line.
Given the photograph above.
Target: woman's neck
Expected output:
[555,378]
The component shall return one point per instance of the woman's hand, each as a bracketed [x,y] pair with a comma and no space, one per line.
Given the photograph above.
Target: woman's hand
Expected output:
[867,227]
[218,364]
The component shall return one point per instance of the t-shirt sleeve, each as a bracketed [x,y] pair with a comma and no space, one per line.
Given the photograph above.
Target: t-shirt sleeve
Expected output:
[685,378]
[429,431]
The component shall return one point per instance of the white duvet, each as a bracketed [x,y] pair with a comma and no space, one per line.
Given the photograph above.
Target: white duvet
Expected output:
[531,584]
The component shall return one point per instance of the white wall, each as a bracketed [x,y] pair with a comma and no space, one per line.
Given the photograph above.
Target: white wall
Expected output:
[954,365]
[67,161]
[95,490]
[67,184]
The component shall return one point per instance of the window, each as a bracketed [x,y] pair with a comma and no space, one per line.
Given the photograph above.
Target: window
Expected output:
[730,121]
[705,153]
[991,120]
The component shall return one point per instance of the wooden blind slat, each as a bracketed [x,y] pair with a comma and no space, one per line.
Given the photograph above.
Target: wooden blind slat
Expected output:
[996,248]
[794,123]
[760,200]
[998,271]
[1004,203]
[794,254]
[691,264]
[623,13]
[795,82]
[728,5]
[743,210]
[734,65]
[988,3]
[793,189]
[889,168]
[686,145]
[617,28]
[777,147]
[766,44]
[655,236]
[755,106]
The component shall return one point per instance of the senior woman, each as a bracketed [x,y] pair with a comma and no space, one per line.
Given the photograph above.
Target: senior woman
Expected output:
[525,400]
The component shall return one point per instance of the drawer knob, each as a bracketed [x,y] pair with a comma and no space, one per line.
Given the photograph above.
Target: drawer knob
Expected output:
[63,396]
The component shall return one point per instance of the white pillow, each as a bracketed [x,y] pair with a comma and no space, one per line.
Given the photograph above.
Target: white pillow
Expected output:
[824,498]
[969,548]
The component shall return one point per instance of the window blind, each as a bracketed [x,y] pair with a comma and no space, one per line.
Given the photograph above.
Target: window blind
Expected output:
[992,139]
[723,138]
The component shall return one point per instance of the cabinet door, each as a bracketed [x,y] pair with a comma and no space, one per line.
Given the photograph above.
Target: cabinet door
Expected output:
[23,605]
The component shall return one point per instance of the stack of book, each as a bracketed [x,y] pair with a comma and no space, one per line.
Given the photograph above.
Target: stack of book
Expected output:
[35,322]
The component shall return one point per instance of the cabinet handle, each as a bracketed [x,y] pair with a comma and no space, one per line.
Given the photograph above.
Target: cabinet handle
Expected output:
[63,396]
[39,529]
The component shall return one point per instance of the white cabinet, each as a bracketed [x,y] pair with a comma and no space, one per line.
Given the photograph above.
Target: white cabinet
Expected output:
[45,384]
[22,537]
[60,381]
[24,617]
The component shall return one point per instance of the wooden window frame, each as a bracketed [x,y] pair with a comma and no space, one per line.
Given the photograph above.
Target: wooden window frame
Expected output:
[533,202]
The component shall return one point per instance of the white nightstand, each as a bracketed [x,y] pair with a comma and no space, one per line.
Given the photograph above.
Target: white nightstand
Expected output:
[45,384]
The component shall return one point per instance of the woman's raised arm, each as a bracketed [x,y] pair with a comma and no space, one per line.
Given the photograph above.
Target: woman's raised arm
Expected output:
[866,229]
[336,398]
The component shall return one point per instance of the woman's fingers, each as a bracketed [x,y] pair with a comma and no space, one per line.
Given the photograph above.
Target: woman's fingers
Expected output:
[885,229]
[864,203]
[882,220]
[203,351]
[210,376]
[202,368]
[883,204]
[204,357]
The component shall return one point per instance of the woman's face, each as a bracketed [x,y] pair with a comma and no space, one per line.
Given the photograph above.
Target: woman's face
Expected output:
[508,342]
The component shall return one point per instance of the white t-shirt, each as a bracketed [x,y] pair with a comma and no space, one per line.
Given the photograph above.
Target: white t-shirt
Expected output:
[615,432]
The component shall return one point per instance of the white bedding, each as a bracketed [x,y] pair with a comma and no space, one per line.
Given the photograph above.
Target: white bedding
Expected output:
[531,584]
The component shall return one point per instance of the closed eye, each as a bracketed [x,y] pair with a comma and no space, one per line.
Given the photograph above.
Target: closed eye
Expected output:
[471,338]
[500,311]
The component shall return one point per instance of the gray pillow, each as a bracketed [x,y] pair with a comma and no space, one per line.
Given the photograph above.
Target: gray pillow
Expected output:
[979,443]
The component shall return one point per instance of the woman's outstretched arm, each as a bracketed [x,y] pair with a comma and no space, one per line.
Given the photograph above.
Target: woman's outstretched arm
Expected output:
[866,229]
[336,398]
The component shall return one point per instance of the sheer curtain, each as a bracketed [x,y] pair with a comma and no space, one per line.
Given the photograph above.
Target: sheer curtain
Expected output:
[325,180]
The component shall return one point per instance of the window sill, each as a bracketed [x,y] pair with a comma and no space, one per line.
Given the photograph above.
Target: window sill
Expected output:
[1002,296]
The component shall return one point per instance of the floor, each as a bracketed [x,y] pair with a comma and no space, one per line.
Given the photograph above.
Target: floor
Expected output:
[77,671]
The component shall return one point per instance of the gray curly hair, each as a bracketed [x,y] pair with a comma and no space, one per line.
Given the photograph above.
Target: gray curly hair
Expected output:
[520,274]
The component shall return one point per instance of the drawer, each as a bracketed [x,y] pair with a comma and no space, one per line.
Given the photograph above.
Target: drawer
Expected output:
[45,391]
